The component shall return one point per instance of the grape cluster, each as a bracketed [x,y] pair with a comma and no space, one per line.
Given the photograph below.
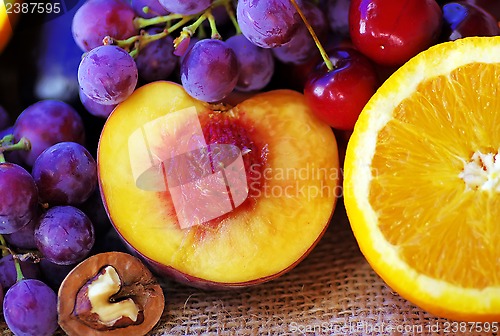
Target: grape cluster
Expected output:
[51,213]
[180,41]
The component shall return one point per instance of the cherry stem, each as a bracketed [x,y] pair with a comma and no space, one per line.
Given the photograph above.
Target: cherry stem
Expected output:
[322,51]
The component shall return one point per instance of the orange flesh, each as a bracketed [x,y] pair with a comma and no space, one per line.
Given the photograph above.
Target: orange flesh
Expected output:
[434,133]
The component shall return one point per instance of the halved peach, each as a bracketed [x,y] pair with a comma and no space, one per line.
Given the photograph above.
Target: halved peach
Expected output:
[218,196]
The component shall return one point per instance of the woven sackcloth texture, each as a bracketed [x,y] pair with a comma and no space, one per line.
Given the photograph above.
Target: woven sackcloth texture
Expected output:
[332,292]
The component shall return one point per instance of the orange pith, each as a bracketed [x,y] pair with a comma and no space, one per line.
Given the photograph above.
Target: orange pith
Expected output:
[428,149]
[422,180]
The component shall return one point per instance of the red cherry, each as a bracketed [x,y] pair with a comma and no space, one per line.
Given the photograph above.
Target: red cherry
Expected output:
[391,32]
[464,19]
[338,96]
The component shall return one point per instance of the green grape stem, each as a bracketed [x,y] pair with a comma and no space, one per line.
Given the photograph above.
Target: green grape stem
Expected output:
[192,28]
[140,22]
[322,51]
[7,139]
[145,9]
[135,43]
[145,39]
[232,17]
[3,247]
[6,145]
[215,34]
[19,272]
[23,144]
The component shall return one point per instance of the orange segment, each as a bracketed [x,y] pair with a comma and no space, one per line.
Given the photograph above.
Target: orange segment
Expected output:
[422,184]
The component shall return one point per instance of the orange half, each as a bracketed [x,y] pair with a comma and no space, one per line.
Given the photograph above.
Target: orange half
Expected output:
[422,180]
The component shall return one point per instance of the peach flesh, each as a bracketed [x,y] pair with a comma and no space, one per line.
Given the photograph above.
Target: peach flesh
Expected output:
[262,238]
[218,128]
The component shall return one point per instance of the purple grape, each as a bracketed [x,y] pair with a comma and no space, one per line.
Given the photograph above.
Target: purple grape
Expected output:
[256,65]
[65,174]
[18,198]
[269,23]
[186,7]
[97,19]
[209,71]
[96,212]
[23,238]
[462,19]
[6,131]
[301,47]
[54,274]
[8,274]
[4,119]
[154,8]
[64,235]
[30,308]
[107,75]
[96,109]
[11,156]
[1,299]
[156,61]
[46,123]
[184,48]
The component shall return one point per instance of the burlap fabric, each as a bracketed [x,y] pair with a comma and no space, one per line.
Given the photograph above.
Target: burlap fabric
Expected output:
[332,292]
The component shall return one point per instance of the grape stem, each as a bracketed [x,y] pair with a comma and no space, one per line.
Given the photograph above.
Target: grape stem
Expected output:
[19,272]
[23,144]
[140,22]
[211,20]
[7,139]
[232,17]
[329,64]
[190,30]
[3,246]
[144,39]
[135,43]
[6,145]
